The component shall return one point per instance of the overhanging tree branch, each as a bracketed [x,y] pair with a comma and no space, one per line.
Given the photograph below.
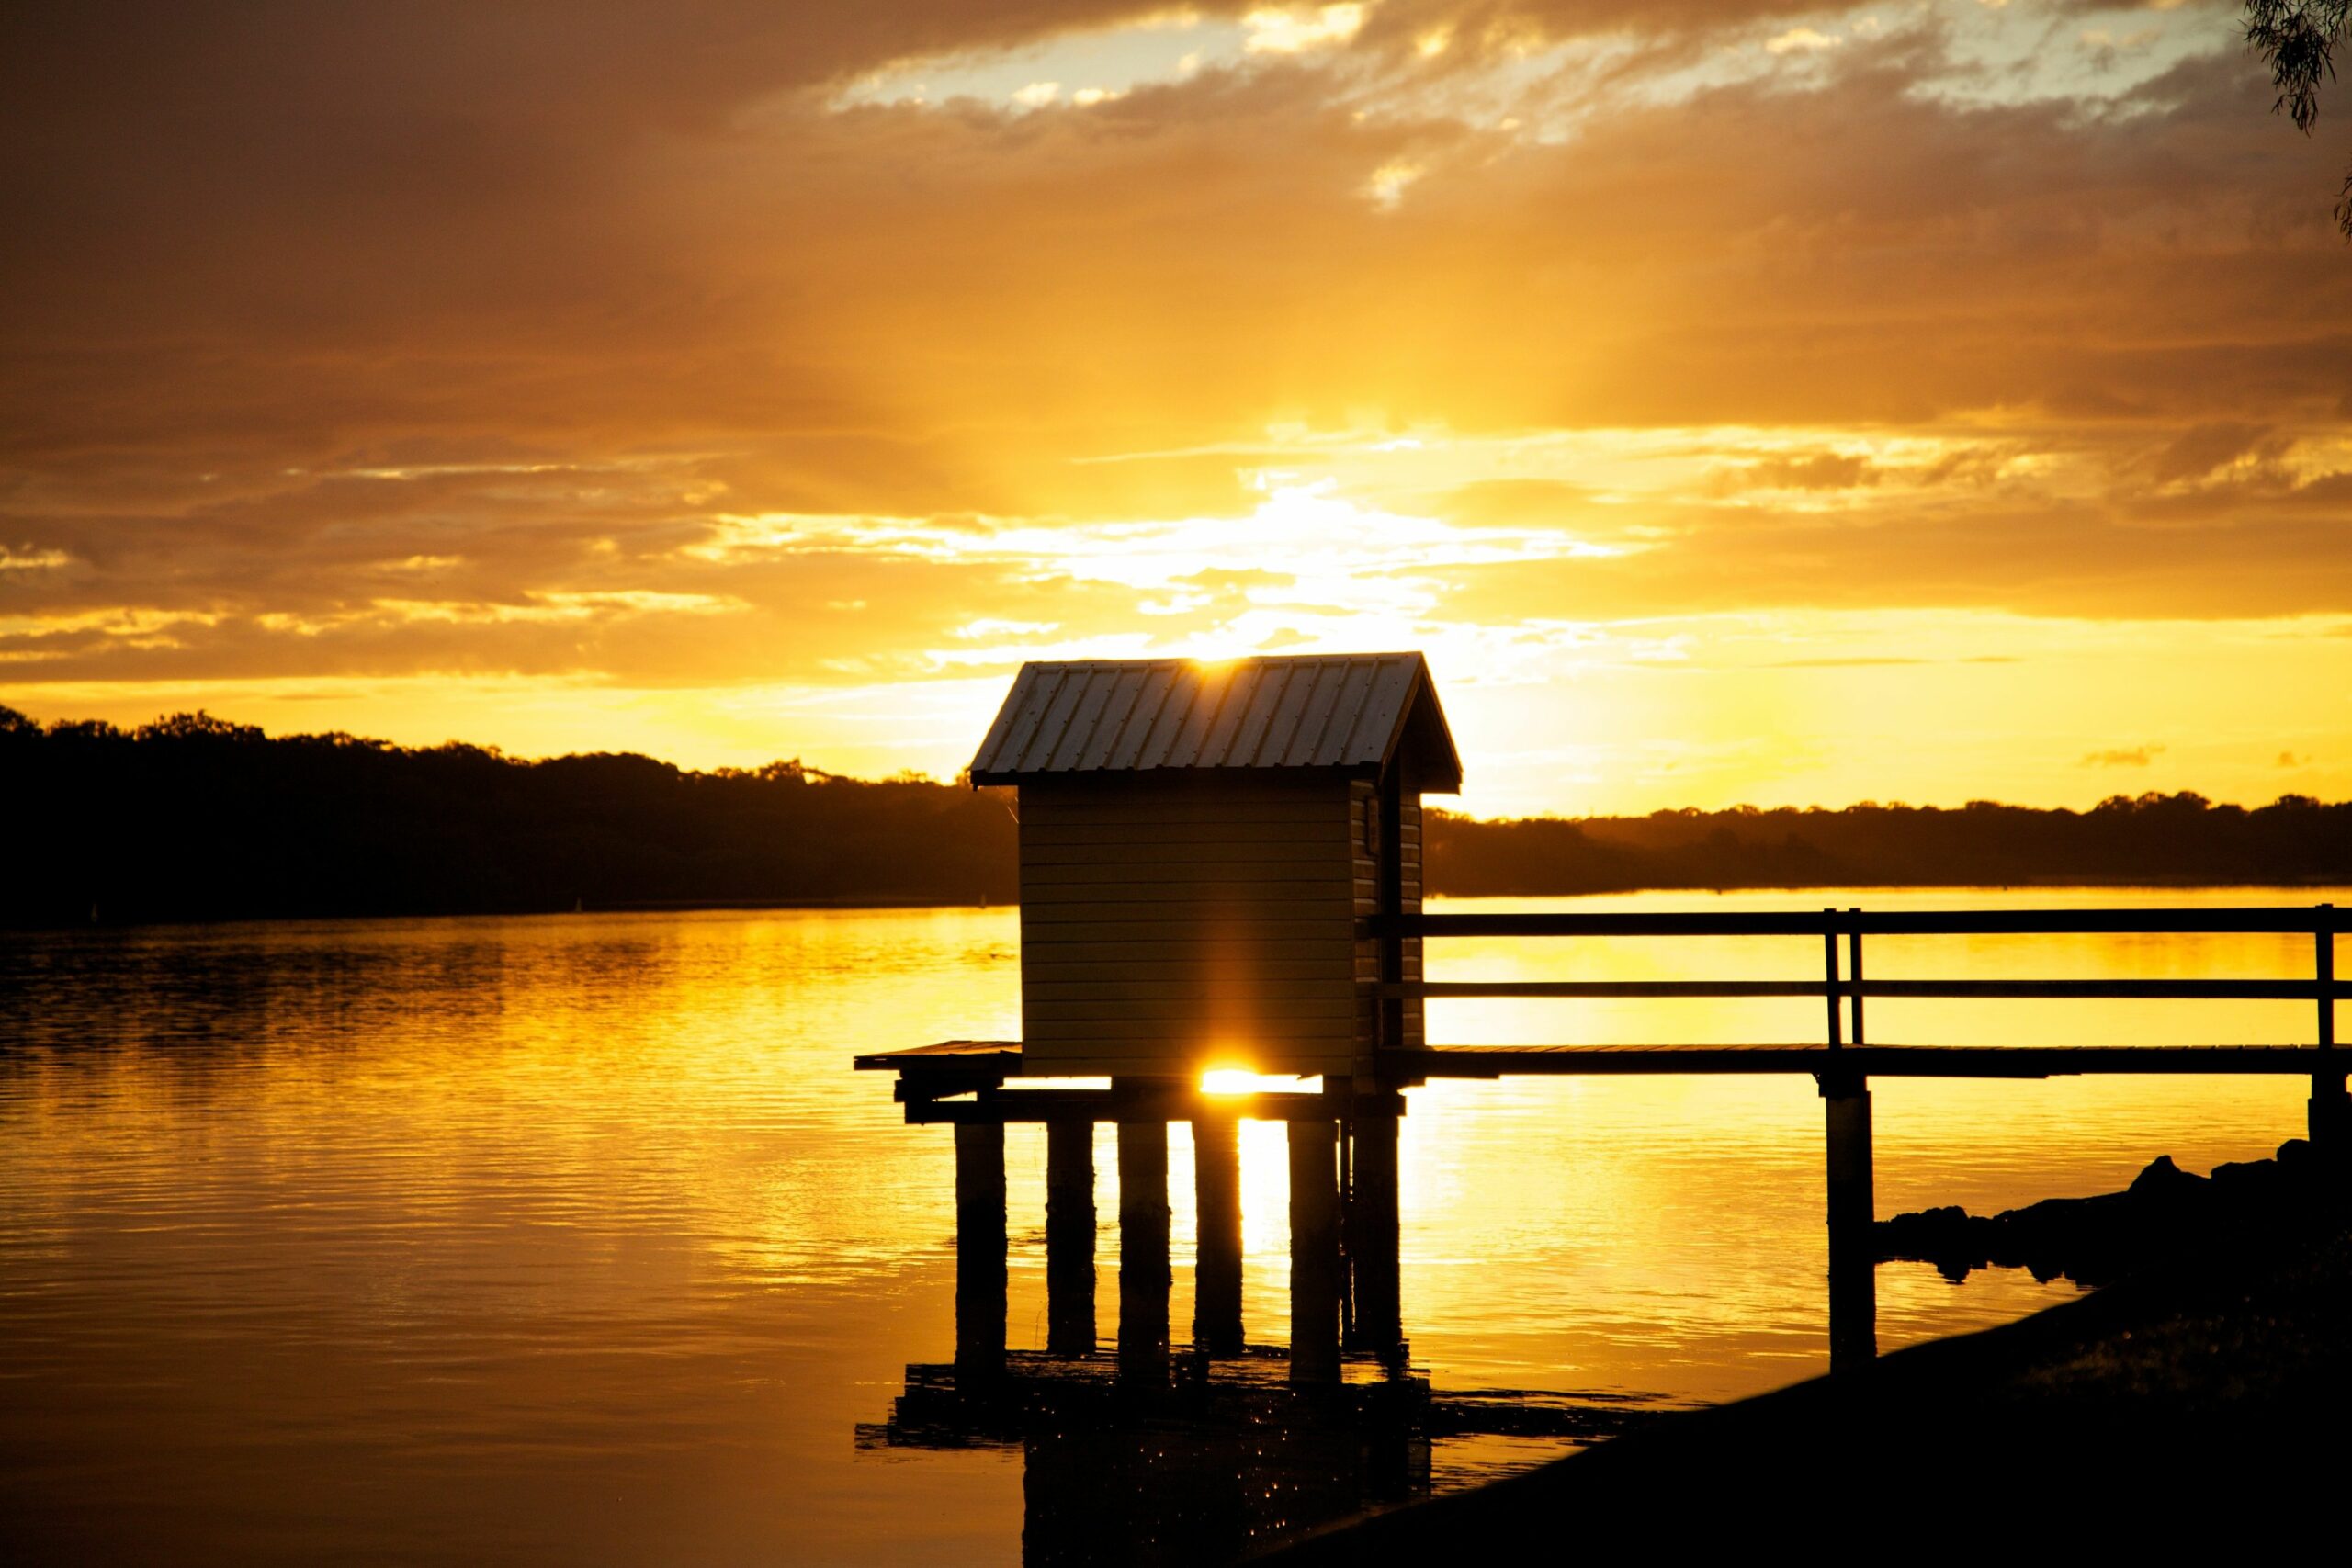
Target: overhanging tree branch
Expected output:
[2297,40]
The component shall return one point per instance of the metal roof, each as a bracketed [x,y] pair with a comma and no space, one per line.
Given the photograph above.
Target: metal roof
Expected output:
[1132,715]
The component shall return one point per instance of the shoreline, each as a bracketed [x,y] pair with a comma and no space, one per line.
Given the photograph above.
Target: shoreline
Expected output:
[886,900]
[2196,1394]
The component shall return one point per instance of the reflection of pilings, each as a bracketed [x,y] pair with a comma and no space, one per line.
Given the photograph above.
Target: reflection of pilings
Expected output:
[979,1245]
[1200,1470]
[1069,1237]
[1853,1283]
[1314,1252]
[1216,1272]
[1143,1244]
[1373,1235]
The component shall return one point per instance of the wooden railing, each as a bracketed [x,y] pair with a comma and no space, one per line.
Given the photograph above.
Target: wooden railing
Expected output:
[1846,983]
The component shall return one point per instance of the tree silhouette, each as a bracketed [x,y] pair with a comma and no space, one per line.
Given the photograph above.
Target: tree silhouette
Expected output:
[2297,40]
[194,818]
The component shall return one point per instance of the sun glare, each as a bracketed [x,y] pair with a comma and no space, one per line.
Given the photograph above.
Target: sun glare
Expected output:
[1241,1080]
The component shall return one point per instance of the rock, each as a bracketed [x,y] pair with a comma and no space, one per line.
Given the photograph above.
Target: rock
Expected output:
[2098,1239]
[2165,1180]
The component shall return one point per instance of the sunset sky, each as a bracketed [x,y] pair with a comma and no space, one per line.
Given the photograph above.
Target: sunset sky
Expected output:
[1738,401]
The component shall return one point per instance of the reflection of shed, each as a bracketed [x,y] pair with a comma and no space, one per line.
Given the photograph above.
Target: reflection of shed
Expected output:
[1197,844]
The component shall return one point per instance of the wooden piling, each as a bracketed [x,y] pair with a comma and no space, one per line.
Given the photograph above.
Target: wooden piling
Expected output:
[1216,1268]
[1852,1205]
[1143,1275]
[1372,1233]
[1069,1237]
[979,1247]
[1314,1252]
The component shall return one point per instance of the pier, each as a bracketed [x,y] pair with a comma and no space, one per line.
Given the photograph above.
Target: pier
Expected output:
[1342,1136]
[1221,868]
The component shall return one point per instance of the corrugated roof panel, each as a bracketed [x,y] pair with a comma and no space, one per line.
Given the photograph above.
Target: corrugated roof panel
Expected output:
[994,742]
[1024,708]
[1266,706]
[1331,747]
[1197,693]
[1383,715]
[1069,685]
[1089,718]
[1141,715]
[1126,684]
[1281,712]
[1175,699]
[1241,684]
[1314,717]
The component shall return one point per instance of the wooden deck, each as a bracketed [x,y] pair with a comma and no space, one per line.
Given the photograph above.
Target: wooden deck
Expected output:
[999,1060]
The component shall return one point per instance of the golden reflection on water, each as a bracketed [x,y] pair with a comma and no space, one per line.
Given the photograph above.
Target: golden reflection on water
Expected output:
[569,1238]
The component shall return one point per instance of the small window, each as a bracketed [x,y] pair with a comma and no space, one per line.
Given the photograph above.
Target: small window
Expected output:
[1372,826]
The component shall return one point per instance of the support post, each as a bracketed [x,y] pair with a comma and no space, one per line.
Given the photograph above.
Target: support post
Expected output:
[1069,1237]
[979,1247]
[1853,1275]
[1373,1231]
[1216,1267]
[2328,1117]
[1314,1252]
[1143,1247]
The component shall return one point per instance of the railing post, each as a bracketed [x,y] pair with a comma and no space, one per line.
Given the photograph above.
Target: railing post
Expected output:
[2328,1117]
[1854,968]
[1829,959]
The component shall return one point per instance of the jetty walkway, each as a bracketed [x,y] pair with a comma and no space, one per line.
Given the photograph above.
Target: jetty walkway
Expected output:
[1342,1136]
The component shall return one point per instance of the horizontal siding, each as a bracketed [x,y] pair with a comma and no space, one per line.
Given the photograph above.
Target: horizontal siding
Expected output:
[1191,923]
[1243,967]
[1189,1047]
[1055,985]
[1163,924]
[1200,1012]
[1222,872]
[1130,850]
[1099,1059]
[1294,959]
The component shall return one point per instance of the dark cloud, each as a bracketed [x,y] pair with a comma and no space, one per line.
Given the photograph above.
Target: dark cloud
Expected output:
[1816,471]
[2029,557]
[2199,450]
[309,310]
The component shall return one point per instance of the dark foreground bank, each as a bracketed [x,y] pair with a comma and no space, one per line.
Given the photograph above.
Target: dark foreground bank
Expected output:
[2206,1397]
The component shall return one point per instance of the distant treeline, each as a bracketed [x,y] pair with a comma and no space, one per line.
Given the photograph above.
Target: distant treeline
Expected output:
[193,818]
[2151,838]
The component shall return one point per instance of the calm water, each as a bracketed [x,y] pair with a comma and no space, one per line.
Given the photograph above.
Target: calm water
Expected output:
[575,1240]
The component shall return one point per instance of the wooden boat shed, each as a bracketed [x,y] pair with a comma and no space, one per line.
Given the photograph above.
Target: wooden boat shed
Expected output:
[1199,842]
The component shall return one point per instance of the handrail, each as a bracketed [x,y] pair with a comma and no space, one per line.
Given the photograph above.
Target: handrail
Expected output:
[2170,990]
[2304,920]
[2322,922]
